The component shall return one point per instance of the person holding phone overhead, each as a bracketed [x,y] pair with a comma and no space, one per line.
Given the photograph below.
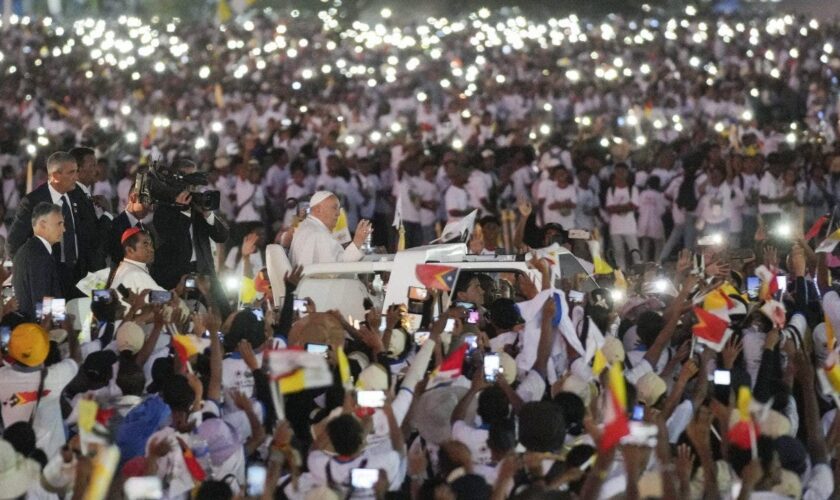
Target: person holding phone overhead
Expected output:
[313,242]
[36,275]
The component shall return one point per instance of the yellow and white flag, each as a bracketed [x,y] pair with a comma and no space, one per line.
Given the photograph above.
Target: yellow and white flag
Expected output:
[295,370]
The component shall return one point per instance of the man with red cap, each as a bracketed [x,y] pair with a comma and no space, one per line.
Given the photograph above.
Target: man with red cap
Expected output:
[133,271]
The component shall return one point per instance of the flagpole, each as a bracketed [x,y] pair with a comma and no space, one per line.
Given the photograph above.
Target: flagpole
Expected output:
[277,400]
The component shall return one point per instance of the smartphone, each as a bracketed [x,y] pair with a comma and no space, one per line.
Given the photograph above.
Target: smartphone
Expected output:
[258,313]
[364,479]
[465,305]
[421,337]
[159,297]
[472,317]
[255,479]
[189,283]
[124,292]
[638,413]
[471,341]
[102,296]
[5,335]
[492,367]
[723,377]
[575,296]
[579,234]
[370,399]
[46,307]
[417,293]
[58,309]
[8,292]
[781,282]
[143,488]
[753,285]
[317,348]
[450,325]
[303,209]
[383,322]
[300,306]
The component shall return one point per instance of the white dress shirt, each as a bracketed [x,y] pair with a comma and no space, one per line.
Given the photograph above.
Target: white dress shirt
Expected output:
[56,199]
[313,243]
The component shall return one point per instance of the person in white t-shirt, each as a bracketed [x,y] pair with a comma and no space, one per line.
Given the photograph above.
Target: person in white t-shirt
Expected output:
[429,200]
[31,391]
[456,199]
[560,200]
[622,203]
[770,191]
[652,207]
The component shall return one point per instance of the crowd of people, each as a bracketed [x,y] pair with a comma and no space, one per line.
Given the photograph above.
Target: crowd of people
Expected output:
[689,163]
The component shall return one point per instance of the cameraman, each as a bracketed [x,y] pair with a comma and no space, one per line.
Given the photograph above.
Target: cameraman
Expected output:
[184,231]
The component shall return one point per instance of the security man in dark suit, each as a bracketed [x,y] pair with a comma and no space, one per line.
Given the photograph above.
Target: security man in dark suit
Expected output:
[183,243]
[62,173]
[94,222]
[35,273]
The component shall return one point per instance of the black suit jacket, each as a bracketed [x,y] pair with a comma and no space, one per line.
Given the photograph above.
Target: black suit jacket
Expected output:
[21,229]
[92,232]
[35,275]
[173,250]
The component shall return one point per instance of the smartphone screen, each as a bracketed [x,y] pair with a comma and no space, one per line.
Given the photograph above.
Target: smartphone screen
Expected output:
[101,296]
[300,306]
[383,322]
[421,337]
[465,305]
[722,377]
[781,282]
[364,479]
[450,325]
[575,296]
[258,313]
[5,335]
[317,348]
[159,297]
[58,309]
[370,399]
[46,307]
[472,317]
[472,342]
[638,413]
[492,367]
[255,477]
[189,283]
[753,285]
[417,293]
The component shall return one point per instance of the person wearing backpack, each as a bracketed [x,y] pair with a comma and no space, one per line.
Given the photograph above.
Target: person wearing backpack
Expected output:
[684,195]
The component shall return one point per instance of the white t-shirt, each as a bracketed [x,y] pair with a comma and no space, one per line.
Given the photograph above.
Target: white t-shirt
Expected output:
[428,193]
[236,375]
[623,223]
[19,393]
[339,470]
[476,440]
[769,187]
[565,216]
[456,199]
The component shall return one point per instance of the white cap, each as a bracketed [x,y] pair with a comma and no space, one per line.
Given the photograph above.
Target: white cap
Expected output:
[318,197]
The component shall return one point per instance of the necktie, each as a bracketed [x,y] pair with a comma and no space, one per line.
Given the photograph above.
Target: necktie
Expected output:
[68,242]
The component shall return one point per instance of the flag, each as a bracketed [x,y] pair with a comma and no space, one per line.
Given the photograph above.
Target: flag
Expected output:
[459,230]
[616,425]
[87,414]
[816,228]
[829,245]
[398,224]
[295,370]
[594,342]
[710,329]
[551,255]
[743,433]
[223,12]
[104,465]
[247,290]
[195,469]
[341,233]
[436,276]
[343,368]
[601,266]
[185,346]
[450,368]
[775,312]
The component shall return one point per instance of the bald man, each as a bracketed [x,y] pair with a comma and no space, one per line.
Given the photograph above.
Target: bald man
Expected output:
[313,241]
